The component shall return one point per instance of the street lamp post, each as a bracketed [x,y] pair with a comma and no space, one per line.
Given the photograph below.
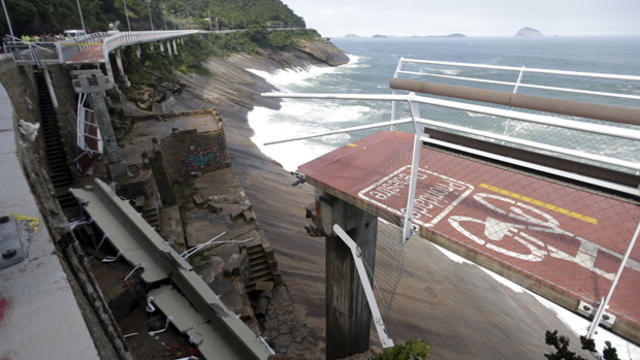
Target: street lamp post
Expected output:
[84,28]
[126,13]
[150,19]
[6,14]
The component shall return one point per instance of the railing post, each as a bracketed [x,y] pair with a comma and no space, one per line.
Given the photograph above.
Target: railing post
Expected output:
[605,303]
[394,92]
[407,229]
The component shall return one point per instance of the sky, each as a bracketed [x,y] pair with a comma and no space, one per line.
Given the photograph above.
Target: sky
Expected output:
[335,18]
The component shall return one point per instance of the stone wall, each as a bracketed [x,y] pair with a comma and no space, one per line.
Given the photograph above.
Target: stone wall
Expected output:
[190,151]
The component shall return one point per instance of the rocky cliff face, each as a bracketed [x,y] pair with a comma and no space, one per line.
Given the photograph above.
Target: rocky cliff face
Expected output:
[323,51]
[528,33]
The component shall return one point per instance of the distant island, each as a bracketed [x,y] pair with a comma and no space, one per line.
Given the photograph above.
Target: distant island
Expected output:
[528,33]
[379,36]
[351,36]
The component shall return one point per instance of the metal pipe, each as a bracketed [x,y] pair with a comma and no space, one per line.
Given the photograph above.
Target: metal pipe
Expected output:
[407,229]
[604,305]
[366,286]
[81,17]
[6,14]
[624,133]
[126,13]
[340,131]
[150,19]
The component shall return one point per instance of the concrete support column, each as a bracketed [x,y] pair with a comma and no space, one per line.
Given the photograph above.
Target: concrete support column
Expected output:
[50,87]
[151,44]
[175,47]
[138,51]
[106,128]
[169,48]
[348,318]
[161,45]
[121,67]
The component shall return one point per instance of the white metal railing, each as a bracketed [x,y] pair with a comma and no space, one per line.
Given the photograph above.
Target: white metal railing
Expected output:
[356,253]
[521,71]
[122,39]
[422,135]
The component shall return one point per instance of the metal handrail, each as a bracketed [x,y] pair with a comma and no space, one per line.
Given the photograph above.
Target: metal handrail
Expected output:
[548,120]
[520,70]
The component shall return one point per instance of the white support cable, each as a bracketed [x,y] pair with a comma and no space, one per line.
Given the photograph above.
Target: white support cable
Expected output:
[394,92]
[385,340]
[166,327]
[340,131]
[139,266]
[264,342]
[515,88]
[104,237]
[194,249]
[546,169]
[554,121]
[407,228]
[150,308]
[604,304]
[108,259]
[534,144]
[201,246]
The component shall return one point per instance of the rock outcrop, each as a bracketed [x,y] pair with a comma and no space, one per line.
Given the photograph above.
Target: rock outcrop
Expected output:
[528,33]
[324,51]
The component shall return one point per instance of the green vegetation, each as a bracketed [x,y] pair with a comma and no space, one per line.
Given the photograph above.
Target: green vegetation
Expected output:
[562,352]
[196,49]
[410,350]
[54,16]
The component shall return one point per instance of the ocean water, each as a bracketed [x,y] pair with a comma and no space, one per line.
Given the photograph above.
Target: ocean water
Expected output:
[373,62]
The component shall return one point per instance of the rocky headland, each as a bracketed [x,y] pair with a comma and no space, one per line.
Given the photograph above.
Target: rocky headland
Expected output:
[527,32]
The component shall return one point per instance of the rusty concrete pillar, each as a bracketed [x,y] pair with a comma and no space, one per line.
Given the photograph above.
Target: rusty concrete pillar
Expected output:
[121,68]
[348,318]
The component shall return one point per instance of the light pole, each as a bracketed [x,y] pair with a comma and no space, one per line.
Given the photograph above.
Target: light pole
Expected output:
[126,13]
[6,14]
[84,28]
[150,19]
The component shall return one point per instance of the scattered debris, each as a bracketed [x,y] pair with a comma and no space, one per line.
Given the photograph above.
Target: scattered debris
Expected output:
[28,130]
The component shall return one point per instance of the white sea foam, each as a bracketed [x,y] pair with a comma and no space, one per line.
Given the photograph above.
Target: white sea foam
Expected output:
[575,323]
[442,71]
[301,117]
[267,126]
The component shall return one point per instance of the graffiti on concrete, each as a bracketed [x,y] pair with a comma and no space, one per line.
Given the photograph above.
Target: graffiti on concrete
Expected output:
[202,158]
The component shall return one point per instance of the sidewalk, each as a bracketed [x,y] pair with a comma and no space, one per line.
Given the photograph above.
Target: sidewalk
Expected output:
[39,316]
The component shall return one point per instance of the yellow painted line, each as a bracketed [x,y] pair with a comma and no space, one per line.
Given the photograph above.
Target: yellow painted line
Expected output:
[34,224]
[543,204]
[75,44]
[352,145]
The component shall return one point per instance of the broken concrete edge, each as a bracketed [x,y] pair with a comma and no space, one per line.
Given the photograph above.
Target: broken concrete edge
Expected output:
[196,291]
[143,238]
[622,326]
[209,112]
[84,286]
